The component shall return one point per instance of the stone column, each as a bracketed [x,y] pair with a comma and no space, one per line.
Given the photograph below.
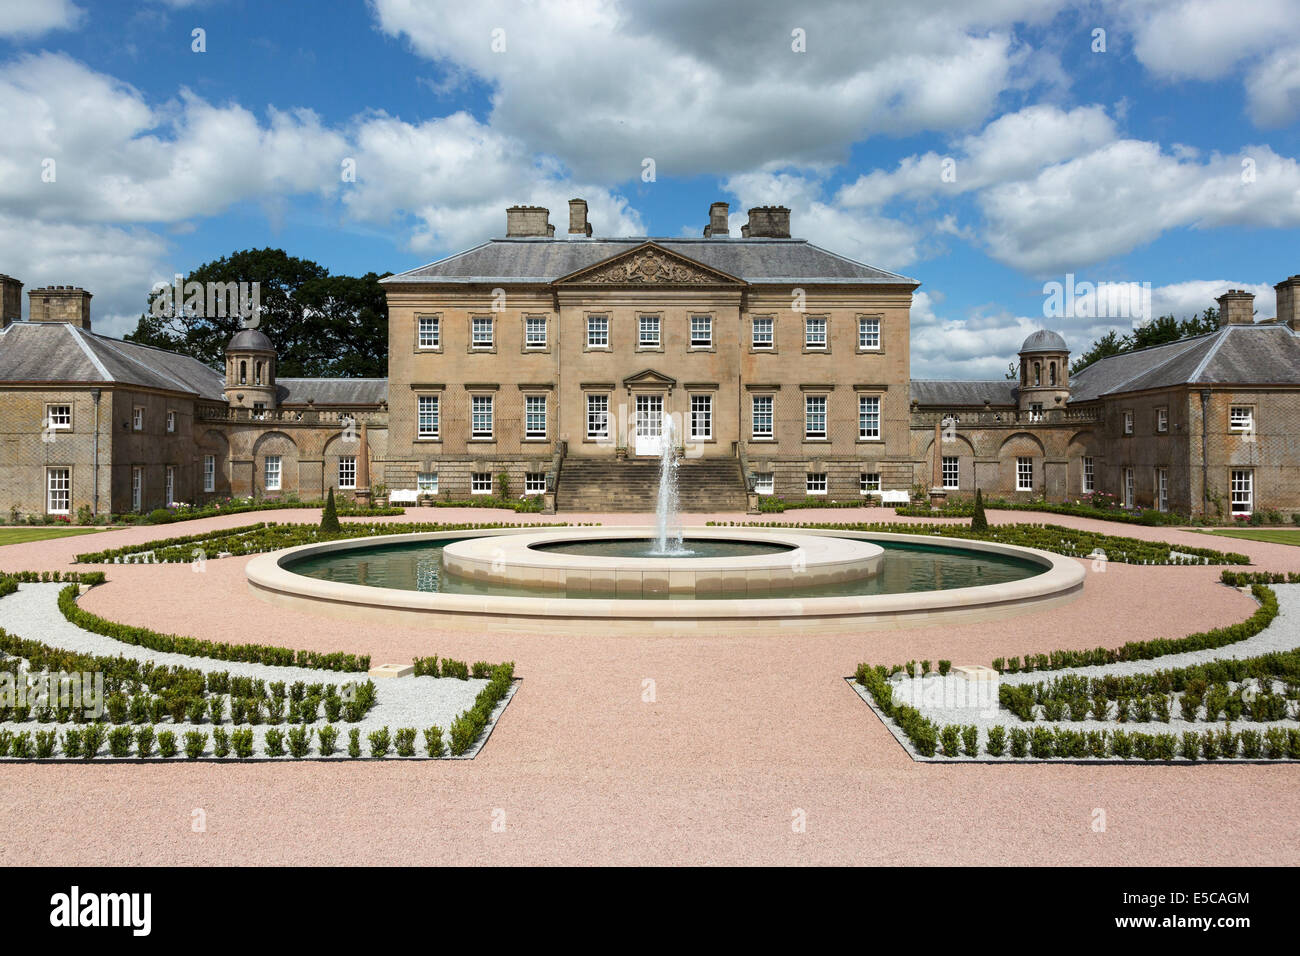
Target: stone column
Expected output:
[362,493]
[938,496]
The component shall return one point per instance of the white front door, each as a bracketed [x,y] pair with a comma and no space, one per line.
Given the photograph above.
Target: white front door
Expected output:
[649,424]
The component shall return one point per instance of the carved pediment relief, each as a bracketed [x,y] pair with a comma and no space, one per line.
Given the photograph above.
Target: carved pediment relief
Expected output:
[650,264]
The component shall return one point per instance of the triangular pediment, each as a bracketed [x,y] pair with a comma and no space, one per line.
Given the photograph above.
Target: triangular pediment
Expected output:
[649,376]
[649,264]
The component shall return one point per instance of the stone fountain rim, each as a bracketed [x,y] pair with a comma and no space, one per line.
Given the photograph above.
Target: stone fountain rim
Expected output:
[1061,580]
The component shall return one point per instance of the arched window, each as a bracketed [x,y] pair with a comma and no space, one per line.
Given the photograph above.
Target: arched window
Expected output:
[1051,372]
[1038,373]
[243,373]
[257,373]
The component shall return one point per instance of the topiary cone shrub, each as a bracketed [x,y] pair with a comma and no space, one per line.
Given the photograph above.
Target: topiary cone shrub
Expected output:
[329,519]
[978,521]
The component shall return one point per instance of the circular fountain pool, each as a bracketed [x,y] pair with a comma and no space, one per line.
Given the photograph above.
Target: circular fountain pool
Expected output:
[605,580]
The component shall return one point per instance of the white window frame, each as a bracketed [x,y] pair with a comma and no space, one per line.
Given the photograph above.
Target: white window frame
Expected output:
[869,482]
[766,340]
[426,483]
[533,339]
[868,333]
[1241,418]
[868,418]
[598,331]
[814,483]
[812,417]
[1128,423]
[1162,489]
[347,472]
[480,482]
[137,488]
[1241,483]
[428,417]
[597,416]
[1035,411]
[534,482]
[1089,478]
[272,472]
[701,331]
[649,331]
[482,413]
[171,421]
[169,485]
[209,473]
[760,418]
[58,417]
[428,332]
[815,333]
[702,417]
[58,490]
[137,418]
[482,332]
[535,416]
[764,483]
[1162,419]
[1129,487]
[1024,473]
[950,471]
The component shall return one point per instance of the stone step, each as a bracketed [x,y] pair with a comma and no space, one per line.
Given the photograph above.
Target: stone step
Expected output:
[612,485]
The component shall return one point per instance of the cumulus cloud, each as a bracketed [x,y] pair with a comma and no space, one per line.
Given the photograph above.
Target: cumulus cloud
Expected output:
[1210,39]
[26,20]
[719,87]
[119,265]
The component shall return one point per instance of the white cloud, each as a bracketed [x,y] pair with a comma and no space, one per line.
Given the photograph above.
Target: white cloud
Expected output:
[26,19]
[1273,89]
[717,88]
[1210,39]
[117,265]
[1128,193]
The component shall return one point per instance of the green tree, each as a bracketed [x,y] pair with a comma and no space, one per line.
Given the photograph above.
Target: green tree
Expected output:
[1159,331]
[321,325]
[329,519]
[1106,346]
[979,521]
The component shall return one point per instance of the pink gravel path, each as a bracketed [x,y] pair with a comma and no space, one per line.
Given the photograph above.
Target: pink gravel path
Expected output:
[744,731]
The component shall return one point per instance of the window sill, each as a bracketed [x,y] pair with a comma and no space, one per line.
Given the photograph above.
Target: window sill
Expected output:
[870,441]
[426,348]
[426,440]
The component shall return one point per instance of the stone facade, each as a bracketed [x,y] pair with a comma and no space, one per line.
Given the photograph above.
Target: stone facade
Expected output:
[528,351]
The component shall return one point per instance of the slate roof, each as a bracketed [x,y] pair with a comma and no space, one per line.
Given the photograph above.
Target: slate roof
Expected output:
[58,352]
[332,391]
[929,392]
[1256,354]
[545,260]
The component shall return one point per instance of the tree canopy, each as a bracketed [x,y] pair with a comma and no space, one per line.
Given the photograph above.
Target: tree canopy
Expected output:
[321,324]
[1157,332]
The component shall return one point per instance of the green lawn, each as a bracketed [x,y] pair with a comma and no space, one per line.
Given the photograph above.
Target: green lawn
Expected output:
[1271,535]
[23,535]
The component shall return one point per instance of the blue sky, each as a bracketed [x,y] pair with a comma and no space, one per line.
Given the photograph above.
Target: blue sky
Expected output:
[1168,157]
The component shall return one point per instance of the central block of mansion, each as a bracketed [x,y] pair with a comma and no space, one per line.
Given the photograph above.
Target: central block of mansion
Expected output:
[565,363]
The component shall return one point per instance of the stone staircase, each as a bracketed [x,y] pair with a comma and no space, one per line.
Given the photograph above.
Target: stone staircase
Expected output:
[606,484]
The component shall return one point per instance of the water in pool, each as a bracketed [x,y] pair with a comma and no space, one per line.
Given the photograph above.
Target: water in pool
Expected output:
[417,566]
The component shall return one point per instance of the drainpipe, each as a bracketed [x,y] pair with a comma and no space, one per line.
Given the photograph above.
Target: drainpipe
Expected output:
[94,394]
[1205,452]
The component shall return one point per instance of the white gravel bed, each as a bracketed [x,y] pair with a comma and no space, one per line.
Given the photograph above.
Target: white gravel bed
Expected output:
[420,702]
[941,698]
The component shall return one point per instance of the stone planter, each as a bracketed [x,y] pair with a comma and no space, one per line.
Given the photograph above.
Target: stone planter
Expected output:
[381,501]
[426,502]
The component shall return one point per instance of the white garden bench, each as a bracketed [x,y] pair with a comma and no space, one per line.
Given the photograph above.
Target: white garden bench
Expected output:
[895,498]
[403,496]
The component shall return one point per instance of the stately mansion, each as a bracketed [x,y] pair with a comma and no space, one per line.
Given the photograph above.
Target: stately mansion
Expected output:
[566,363]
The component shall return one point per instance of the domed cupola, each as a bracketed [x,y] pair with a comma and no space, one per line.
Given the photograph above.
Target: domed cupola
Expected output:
[250,371]
[1044,372]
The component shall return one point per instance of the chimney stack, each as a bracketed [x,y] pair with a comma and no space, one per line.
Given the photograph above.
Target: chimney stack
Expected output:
[60,303]
[1288,302]
[578,224]
[11,300]
[528,221]
[717,227]
[768,222]
[1236,307]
